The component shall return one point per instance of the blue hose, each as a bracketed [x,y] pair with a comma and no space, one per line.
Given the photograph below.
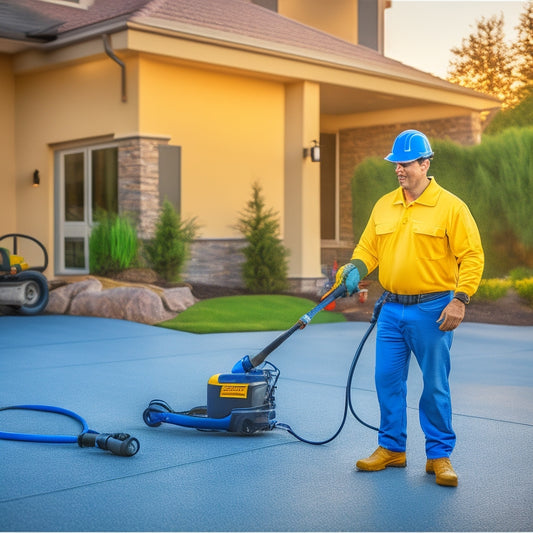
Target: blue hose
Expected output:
[348,395]
[32,437]
[117,443]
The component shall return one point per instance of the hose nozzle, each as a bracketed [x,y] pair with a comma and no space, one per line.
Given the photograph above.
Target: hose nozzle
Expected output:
[117,443]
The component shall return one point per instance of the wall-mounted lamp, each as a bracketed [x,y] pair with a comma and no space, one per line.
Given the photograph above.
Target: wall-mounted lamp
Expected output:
[314,152]
[36,178]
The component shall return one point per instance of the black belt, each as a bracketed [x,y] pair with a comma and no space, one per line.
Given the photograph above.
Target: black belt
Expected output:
[411,299]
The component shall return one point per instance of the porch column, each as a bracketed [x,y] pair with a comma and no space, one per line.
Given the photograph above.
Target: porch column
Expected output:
[302,184]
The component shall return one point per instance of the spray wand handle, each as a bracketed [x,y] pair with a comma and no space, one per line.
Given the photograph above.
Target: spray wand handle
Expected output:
[246,364]
[338,292]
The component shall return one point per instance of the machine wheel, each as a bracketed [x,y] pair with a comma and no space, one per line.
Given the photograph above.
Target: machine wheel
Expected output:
[148,421]
[36,293]
[248,427]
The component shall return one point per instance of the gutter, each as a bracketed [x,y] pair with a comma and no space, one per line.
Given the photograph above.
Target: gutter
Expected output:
[112,55]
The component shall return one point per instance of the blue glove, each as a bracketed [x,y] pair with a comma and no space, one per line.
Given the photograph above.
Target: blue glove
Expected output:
[349,275]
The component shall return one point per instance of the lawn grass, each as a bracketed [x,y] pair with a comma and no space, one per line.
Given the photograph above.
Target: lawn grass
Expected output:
[264,312]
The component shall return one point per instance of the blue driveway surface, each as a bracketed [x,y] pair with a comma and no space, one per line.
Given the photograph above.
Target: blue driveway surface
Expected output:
[186,480]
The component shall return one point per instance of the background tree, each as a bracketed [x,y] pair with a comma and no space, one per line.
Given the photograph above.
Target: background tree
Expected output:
[524,47]
[168,251]
[485,62]
[521,114]
[265,268]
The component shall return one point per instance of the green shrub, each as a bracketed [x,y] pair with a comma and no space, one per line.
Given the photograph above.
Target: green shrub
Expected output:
[266,267]
[520,273]
[518,116]
[524,288]
[168,251]
[113,244]
[372,179]
[492,289]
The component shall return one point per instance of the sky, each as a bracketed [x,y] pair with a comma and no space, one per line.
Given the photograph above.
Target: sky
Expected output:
[421,33]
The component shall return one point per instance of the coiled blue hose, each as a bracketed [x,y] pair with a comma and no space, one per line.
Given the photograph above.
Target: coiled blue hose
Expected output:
[32,437]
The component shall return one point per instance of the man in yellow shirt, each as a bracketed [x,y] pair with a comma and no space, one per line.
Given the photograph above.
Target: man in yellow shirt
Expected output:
[428,249]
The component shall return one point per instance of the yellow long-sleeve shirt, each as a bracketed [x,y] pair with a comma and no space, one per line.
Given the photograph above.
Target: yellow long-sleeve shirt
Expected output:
[430,245]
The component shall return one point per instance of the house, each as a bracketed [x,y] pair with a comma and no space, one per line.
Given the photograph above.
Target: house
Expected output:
[116,105]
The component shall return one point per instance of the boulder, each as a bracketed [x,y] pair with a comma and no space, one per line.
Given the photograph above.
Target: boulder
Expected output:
[178,299]
[127,303]
[61,298]
[146,304]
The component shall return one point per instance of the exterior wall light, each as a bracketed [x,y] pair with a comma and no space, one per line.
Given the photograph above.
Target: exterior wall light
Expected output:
[36,178]
[313,152]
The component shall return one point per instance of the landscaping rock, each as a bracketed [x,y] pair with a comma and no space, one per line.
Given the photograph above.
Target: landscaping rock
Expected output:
[138,303]
[60,299]
[178,299]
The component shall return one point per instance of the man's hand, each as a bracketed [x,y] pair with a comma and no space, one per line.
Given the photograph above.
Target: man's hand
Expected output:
[347,275]
[452,315]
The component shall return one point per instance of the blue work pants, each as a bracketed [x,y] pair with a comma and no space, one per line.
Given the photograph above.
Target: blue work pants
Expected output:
[402,330]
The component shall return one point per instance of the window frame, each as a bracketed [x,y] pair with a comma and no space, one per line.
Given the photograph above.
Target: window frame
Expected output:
[75,229]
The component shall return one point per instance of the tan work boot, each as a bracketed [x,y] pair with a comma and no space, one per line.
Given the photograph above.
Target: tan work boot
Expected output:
[380,459]
[443,470]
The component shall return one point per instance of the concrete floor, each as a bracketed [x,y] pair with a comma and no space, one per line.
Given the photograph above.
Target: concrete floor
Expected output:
[186,480]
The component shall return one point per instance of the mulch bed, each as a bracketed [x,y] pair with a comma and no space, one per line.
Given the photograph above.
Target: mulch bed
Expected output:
[510,310]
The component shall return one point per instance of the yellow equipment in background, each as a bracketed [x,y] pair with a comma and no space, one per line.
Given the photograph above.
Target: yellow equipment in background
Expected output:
[23,288]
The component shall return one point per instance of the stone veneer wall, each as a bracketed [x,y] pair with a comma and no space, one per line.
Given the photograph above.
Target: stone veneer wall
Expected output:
[219,262]
[358,143]
[216,262]
[138,183]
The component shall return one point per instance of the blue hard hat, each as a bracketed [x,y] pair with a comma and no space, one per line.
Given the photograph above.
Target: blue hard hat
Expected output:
[409,146]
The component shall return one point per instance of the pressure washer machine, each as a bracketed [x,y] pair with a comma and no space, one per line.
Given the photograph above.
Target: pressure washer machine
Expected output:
[243,401]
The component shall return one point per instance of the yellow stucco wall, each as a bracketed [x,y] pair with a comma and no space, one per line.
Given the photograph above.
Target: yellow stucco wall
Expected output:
[231,130]
[71,103]
[7,148]
[339,19]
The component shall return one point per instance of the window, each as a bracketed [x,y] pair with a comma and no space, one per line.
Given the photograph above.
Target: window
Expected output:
[87,181]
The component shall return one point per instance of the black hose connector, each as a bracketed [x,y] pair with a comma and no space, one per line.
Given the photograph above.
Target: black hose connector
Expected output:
[117,443]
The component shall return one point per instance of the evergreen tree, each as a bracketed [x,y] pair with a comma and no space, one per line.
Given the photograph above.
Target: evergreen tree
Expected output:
[524,47]
[520,114]
[485,62]
[265,268]
[168,251]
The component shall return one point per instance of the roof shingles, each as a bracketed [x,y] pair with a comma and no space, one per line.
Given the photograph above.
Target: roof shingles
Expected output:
[241,18]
